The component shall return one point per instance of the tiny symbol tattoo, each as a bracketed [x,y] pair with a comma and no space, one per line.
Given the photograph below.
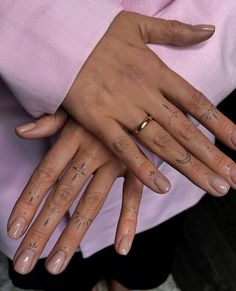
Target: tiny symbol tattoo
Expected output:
[33,245]
[186,158]
[82,220]
[79,171]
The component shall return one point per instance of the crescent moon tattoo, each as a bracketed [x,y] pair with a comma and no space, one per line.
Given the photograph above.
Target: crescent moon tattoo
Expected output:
[186,158]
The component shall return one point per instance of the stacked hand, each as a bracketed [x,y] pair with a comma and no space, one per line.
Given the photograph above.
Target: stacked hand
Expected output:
[121,84]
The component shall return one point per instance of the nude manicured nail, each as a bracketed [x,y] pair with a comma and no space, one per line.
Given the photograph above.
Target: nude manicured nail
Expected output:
[56,263]
[220,185]
[161,185]
[124,245]
[233,175]
[17,228]
[26,127]
[24,261]
[234,138]
[204,27]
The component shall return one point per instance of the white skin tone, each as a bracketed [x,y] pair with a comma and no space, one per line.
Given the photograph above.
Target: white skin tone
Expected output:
[122,70]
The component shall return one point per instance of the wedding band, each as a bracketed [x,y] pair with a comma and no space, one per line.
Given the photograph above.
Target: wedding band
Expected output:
[143,124]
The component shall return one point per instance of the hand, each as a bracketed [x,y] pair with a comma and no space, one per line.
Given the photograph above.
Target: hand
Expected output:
[85,156]
[123,82]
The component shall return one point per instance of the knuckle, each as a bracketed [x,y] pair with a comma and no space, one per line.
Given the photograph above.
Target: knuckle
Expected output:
[70,240]
[38,235]
[187,130]
[121,144]
[94,200]
[174,28]
[223,127]
[219,161]
[45,173]
[162,140]
[62,196]
[196,100]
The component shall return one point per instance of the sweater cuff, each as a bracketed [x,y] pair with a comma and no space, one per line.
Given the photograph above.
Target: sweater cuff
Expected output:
[45,44]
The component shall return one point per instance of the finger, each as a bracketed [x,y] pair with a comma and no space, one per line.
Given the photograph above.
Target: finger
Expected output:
[194,102]
[84,214]
[45,126]
[132,194]
[43,178]
[162,31]
[167,148]
[54,209]
[126,150]
[192,139]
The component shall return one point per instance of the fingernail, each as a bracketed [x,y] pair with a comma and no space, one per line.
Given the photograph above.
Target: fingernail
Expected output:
[162,185]
[204,27]
[24,261]
[233,175]
[220,185]
[56,262]
[26,127]
[124,245]
[234,138]
[17,228]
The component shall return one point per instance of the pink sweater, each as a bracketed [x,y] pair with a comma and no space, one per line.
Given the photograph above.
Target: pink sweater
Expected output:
[43,46]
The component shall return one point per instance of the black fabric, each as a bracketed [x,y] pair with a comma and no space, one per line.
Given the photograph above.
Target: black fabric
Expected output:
[147,265]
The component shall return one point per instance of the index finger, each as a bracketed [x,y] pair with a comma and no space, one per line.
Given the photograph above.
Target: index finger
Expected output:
[42,179]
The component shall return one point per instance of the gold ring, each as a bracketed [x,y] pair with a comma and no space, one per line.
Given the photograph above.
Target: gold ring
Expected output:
[143,124]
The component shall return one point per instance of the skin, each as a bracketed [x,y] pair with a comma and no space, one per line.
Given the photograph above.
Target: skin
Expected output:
[122,70]
[86,156]
[123,81]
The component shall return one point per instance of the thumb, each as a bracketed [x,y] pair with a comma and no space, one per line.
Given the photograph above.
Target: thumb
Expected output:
[161,31]
[45,126]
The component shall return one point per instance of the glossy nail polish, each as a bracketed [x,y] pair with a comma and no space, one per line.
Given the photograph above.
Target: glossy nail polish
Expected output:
[26,127]
[234,138]
[161,185]
[204,27]
[56,263]
[17,228]
[220,185]
[124,245]
[233,175]
[24,261]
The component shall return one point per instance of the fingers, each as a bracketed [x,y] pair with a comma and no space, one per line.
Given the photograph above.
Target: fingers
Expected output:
[126,150]
[132,194]
[42,179]
[166,147]
[194,102]
[57,204]
[45,126]
[84,214]
[193,140]
[161,31]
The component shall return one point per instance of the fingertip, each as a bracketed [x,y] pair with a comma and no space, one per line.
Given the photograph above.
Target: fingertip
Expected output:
[162,185]
[56,264]
[25,128]
[124,245]
[16,228]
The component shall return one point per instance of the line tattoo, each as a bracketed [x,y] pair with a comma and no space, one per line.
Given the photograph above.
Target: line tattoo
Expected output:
[46,221]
